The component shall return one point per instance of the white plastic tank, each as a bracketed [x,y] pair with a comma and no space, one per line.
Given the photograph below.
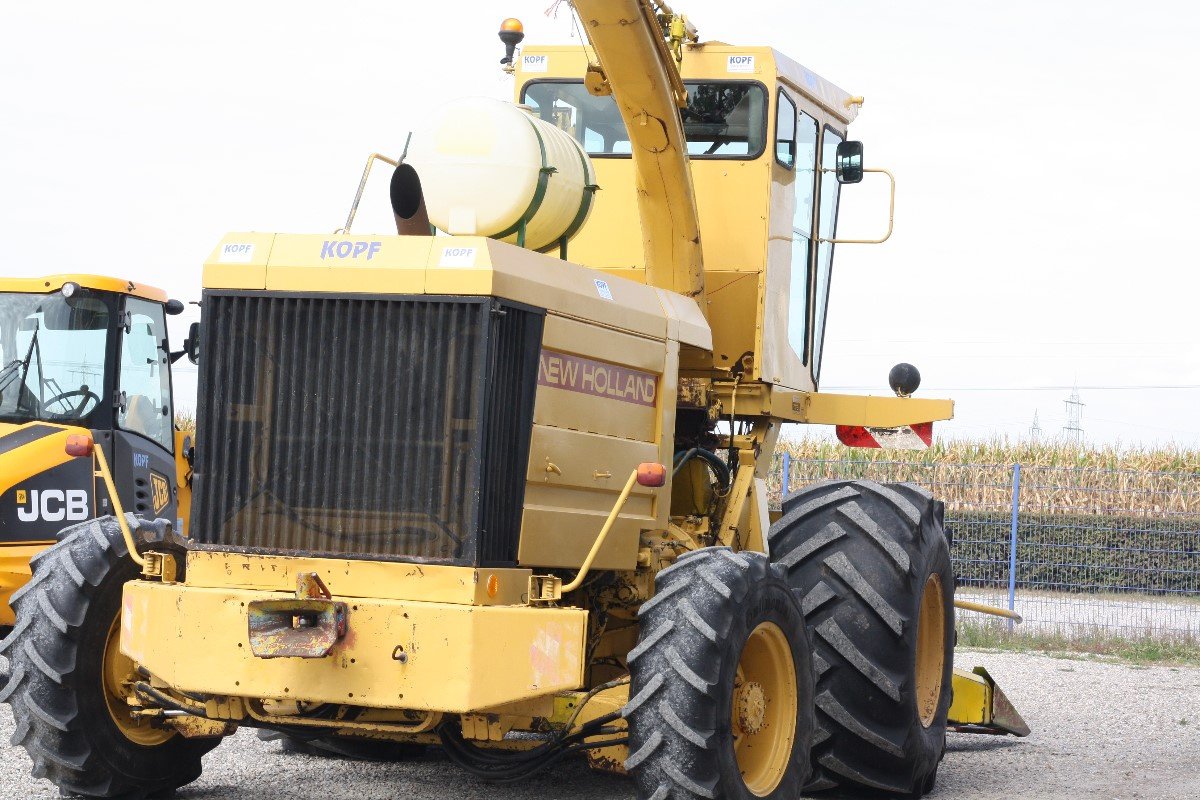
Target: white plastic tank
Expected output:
[486,165]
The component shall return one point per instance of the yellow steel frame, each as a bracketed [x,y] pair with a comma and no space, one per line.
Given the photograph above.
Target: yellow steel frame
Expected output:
[100,283]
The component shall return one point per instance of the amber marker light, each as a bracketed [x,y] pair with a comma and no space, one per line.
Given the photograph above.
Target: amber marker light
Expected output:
[651,474]
[493,585]
[512,33]
[79,445]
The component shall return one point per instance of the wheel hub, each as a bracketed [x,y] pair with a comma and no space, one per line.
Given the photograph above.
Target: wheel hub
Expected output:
[750,706]
[118,673]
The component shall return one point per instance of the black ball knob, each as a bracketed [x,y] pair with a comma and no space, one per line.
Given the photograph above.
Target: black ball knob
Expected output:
[904,379]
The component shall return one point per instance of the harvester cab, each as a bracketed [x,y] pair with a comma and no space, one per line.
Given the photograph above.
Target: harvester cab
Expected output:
[82,354]
[527,516]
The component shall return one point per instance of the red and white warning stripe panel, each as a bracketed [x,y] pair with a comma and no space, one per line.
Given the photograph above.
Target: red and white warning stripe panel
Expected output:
[917,436]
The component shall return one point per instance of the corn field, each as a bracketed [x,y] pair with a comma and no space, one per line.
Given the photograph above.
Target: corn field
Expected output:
[1136,481]
[1081,542]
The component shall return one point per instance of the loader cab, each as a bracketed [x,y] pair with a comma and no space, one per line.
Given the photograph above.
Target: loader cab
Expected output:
[83,352]
[761,131]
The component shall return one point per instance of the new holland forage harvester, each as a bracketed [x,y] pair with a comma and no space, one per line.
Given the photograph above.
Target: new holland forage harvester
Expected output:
[503,489]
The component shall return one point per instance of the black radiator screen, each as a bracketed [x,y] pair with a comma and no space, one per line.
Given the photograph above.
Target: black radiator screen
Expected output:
[389,428]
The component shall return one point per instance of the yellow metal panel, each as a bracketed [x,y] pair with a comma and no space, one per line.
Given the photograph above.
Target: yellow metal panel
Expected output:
[15,573]
[730,296]
[346,264]
[733,199]
[239,261]
[355,578]
[611,238]
[101,283]
[573,480]
[21,463]
[183,469]
[570,394]
[573,336]
[197,640]
[972,699]
[685,322]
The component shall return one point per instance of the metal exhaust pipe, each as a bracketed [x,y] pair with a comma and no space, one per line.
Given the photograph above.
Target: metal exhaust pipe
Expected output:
[408,203]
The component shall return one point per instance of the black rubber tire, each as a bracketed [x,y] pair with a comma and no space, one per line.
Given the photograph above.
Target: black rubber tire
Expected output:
[859,555]
[347,747]
[55,688]
[682,675]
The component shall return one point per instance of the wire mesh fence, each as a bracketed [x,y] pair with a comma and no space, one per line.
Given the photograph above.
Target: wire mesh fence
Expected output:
[1077,551]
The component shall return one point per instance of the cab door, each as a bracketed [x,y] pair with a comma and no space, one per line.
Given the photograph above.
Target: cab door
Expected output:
[143,452]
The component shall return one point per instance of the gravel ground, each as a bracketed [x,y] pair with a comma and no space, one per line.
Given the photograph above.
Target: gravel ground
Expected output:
[1100,730]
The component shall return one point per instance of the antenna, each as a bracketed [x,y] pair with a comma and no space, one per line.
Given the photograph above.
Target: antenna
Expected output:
[1074,429]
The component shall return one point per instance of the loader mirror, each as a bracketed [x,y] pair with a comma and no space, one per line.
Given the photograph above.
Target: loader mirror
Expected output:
[850,162]
[191,345]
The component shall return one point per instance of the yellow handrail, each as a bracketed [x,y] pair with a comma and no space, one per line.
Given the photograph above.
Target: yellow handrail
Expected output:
[104,473]
[608,523]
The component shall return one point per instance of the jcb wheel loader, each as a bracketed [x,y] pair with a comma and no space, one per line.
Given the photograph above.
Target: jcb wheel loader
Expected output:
[498,482]
[83,353]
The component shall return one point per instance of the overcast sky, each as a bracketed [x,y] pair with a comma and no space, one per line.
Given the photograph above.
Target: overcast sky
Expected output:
[1046,155]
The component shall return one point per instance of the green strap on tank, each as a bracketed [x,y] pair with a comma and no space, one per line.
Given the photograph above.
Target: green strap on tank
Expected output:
[539,193]
[589,196]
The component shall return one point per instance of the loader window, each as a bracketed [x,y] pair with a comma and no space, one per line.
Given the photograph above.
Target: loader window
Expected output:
[802,220]
[145,378]
[785,131]
[52,357]
[827,229]
[723,119]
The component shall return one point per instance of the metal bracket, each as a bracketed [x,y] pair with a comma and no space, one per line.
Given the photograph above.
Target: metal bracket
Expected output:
[160,565]
[544,589]
[306,627]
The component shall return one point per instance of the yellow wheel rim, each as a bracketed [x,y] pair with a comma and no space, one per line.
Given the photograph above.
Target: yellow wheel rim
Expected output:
[764,709]
[118,677]
[931,650]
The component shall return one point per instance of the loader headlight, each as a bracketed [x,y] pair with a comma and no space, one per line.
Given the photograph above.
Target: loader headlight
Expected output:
[71,289]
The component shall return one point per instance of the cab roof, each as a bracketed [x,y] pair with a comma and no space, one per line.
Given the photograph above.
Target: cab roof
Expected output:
[99,283]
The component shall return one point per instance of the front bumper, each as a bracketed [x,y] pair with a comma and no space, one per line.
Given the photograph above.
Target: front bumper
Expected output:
[410,654]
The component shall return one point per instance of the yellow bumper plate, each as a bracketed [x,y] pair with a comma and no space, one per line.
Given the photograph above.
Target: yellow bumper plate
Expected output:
[394,654]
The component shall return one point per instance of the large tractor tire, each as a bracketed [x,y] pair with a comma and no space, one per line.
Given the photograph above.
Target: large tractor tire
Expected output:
[870,564]
[721,683]
[68,679]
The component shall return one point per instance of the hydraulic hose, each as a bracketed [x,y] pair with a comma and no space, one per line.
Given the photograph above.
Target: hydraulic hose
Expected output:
[719,468]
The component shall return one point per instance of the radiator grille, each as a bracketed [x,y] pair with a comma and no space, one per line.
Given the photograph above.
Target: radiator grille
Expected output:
[388,428]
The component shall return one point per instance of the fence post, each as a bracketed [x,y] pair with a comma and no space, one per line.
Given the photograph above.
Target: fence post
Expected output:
[1012,542]
[784,483]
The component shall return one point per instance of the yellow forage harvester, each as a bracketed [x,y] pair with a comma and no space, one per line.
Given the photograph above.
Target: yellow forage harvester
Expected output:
[498,482]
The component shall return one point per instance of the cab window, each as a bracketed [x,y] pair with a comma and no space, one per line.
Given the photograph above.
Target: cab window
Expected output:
[785,131]
[53,355]
[723,119]
[144,382]
[802,220]
[826,229]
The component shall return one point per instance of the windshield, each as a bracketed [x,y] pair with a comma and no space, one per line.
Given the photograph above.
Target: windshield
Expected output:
[51,356]
[723,119]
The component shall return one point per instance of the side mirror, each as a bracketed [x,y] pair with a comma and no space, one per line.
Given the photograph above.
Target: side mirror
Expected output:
[850,162]
[173,307]
[191,345]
